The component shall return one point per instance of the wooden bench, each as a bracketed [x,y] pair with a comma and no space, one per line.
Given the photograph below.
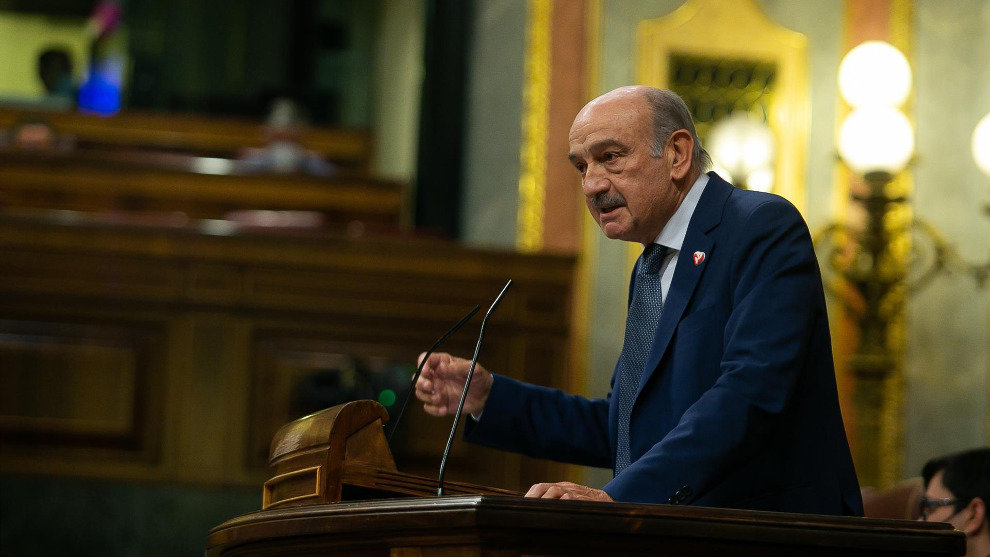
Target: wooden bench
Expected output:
[194,134]
[84,182]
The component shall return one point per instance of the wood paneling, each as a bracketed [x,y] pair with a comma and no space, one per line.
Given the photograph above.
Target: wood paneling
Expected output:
[221,339]
[70,386]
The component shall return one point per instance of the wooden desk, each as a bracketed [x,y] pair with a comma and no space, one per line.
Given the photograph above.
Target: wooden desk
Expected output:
[509,526]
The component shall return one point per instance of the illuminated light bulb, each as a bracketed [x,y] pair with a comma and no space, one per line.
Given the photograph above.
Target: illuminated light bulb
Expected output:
[740,145]
[760,180]
[876,139]
[981,144]
[874,73]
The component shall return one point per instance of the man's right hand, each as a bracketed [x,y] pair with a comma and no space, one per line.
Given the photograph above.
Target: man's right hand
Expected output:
[442,380]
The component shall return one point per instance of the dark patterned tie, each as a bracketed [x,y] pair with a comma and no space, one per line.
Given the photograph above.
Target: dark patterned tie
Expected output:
[641,325]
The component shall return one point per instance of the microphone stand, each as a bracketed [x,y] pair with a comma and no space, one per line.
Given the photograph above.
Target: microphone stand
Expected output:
[412,385]
[467,385]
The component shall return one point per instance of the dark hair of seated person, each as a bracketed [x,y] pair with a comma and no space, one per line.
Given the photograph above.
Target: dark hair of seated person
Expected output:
[55,71]
[965,474]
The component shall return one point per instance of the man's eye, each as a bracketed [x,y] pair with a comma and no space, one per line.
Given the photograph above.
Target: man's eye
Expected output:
[609,157]
[580,168]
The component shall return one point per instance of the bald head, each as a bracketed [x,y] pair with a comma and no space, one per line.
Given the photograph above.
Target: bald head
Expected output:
[631,94]
[637,157]
[666,110]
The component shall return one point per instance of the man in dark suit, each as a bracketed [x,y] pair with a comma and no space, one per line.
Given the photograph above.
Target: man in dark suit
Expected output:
[724,394]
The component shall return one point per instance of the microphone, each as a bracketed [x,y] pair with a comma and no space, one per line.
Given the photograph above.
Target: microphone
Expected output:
[412,385]
[467,384]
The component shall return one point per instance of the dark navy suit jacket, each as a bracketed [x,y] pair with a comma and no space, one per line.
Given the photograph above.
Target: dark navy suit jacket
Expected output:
[737,405]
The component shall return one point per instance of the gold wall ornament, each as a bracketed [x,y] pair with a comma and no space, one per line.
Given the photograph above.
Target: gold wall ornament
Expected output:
[535,117]
[729,56]
[877,428]
[716,87]
[900,30]
[864,268]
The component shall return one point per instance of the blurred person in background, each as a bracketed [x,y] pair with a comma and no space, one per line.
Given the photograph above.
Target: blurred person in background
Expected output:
[957,489]
[34,134]
[55,72]
[284,152]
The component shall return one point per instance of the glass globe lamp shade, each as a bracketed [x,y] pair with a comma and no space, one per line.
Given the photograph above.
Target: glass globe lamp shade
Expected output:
[760,180]
[981,144]
[741,144]
[721,170]
[874,73]
[876,139]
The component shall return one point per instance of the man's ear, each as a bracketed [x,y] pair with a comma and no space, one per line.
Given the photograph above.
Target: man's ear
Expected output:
[680,149]
[978,516]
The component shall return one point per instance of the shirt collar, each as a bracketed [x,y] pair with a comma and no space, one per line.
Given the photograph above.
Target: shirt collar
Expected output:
[673,233]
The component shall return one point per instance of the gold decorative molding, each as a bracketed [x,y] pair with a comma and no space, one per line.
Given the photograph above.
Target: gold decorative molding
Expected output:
[711,30]
[533,149]
[891,417]
[593,48]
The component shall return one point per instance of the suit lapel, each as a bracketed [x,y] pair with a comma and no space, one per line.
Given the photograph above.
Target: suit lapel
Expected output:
[707,216]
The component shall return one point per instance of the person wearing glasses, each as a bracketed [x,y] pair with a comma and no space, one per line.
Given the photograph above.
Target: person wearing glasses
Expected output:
[957,490]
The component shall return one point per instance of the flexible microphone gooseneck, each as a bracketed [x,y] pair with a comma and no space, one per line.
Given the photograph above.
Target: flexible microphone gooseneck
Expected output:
[412,385]
[467,385]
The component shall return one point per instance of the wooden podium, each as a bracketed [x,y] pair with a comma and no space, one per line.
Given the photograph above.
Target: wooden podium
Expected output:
[341,454]
[504,526]
[323,458]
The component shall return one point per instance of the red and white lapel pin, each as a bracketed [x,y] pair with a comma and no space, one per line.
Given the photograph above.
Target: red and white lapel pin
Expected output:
[699,257]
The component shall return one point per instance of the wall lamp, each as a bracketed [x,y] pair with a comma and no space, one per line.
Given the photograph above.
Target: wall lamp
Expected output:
[866,261]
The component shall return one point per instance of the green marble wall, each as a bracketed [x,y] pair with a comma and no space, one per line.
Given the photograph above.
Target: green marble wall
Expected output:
[947,355]
[398,73]
[491,169]
[821,23]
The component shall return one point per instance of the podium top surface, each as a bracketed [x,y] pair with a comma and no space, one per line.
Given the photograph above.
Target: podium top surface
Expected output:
[535,526]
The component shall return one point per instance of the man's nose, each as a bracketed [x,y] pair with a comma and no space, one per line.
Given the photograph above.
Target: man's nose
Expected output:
[595,182]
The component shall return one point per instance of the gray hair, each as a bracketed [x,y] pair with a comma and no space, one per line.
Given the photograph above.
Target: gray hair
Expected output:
[670,114]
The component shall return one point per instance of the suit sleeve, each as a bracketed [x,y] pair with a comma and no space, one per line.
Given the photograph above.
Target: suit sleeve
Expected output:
[543,423]
[775,282]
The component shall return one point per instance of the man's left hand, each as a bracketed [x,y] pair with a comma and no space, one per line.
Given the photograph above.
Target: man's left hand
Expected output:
[568,490]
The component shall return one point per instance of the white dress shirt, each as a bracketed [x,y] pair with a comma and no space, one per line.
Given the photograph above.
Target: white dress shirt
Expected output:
[673,233]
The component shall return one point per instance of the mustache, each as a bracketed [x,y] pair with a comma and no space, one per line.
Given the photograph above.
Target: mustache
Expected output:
[604,200]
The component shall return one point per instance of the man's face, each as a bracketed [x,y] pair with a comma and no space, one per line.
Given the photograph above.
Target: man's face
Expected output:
[628,192]
[946,513]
